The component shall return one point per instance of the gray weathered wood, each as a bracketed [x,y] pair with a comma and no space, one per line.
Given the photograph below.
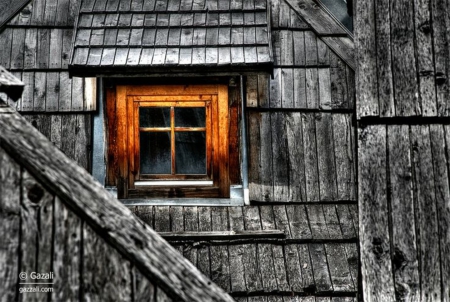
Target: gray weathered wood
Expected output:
[325,157]
[296,162]
[310,149]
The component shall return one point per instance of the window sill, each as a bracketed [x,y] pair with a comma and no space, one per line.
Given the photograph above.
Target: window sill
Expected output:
[236,199]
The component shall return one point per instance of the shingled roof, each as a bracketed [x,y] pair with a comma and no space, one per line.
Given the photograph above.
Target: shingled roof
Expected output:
[157,36]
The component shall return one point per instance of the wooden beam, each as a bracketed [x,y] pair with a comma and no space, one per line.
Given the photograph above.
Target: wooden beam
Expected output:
[78,190]
[224,235]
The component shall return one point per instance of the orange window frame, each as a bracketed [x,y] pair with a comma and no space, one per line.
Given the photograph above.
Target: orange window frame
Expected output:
[213,97]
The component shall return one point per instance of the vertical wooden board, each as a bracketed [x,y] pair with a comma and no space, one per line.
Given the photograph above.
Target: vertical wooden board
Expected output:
[266,168]
[344,155]
[65,92]
[300,88]
[296,157]
[77,94]
[320,268]
[280,268]
[425,58]
[366,77]
[325,155]
[107,277]
[6,42]
[254,167]
[237,278]
[56,45]
[43,50]
[203,260]
[426,211]
[280,158]
[252,220]
[352,257]
[311,48]
[236,218]
[317,222]
[275,89]
[266,267]
[298,222]
[162,219]
[310,151]
[323,58]
[309,284]
[287,48]
[190,253]
[339,269]
[276,47]
[52,89]
[66,47]
[312,88]
[251,268]
[353,208]
[220,270]
[350,75]
[143,289]
[82,139]
[68,129]
[332,221]
[376,265]
[36,231]
[67,253]
[18,45]
[62,13]
[219,218]
[252,91]
[384,59]
[346,222]
[281,220]
[338,84]
[176,219]
[263,90]
[39,91]
[267,217]
[406,272]
[30,48]
[325,101]
[145,213]
[204,219]
[441,48]
[287,87]
[299,48]
[293,268]
[191,219]
[438,145]
[10,215]
[406,89]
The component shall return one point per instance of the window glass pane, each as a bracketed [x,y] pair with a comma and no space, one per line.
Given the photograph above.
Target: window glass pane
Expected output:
[190,117]
[190,152]
[154,117]
[155,156]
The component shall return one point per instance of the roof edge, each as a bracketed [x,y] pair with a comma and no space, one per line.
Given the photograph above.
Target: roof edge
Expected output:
[78,190]
[10,10]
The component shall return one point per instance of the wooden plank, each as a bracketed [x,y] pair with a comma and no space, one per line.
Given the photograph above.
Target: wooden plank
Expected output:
[176,219]
[254,168]
[344,156]
[344,47]
[56,45]
[266,179]
[237,268]
[438,148]
[376,265]
[30,48]
[310,48]
[424,54]
[203,260]
[287,87]
[9,9]
[280,268]
[190,219]
[406,88]
[300,88]
[52,90]
[162,219]
[312,88]
[308,284]
[6,41]
[384,60]
[267,217]
[281,220]
[67,253]
[251,268]
[143,290]
[280,172]
[352,256]
[339,87]
[252,219]
[406,273]
[204,219]
[252,91]
[339,269]
[275,89]
[28,91]
[298,222]
[106,277]
[325,157]
[220,270]
[426,211]
[43,50]
[296,157]
[65,92]
[320,268]
[366,77]
[350,74]
[219,218]
[39,91]
[77,94]
[266,267]
[332,221]
[66,48]
[287,47]
[311,164]
[18,46]
[323,57]
[293,267]
[317,222]
[299,48]
[345,222]
[145,213]
[10,215]
[324,76]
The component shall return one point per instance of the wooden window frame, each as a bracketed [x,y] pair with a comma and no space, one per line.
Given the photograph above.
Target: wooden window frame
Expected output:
[129,98]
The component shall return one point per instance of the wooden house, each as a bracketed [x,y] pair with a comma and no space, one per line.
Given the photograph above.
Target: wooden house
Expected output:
[226,126]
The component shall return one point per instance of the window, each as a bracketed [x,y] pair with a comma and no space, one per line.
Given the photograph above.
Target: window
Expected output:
[171,141]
